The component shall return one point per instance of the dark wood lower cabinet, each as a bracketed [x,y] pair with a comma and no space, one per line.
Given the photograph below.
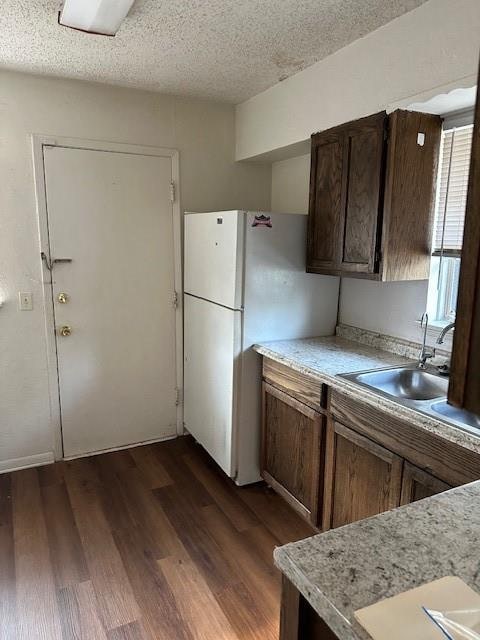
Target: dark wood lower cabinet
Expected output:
[298,621]
[292,451]
[337,460]
[363,478]
[418,484]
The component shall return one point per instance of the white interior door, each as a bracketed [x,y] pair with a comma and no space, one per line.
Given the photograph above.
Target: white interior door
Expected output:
[111,214]
[211,352]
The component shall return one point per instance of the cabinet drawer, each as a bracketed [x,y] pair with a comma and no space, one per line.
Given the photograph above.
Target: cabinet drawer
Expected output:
[445,460]
[301,386]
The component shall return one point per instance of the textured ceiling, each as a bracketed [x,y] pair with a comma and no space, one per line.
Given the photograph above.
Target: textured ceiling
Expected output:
[222,49]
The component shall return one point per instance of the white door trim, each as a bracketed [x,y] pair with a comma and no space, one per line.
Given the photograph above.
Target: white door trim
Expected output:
[38,142]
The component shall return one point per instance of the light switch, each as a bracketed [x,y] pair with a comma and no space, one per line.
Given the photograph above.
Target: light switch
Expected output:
[25,300]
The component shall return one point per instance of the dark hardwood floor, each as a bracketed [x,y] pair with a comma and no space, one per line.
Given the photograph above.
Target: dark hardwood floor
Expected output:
[148,543]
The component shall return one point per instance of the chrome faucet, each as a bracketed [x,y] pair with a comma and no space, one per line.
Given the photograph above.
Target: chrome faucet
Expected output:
[425,352]
[445,330]
[444,369]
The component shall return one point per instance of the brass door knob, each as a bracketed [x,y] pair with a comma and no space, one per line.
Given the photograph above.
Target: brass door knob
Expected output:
[65,330]
[62,298]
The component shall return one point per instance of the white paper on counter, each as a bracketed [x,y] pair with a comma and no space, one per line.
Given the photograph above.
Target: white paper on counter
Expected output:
[402,616]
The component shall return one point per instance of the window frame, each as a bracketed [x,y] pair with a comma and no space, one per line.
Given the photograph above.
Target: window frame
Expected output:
[444,275]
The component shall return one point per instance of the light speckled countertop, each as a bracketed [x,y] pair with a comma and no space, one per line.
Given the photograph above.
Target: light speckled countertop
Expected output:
[354,566]
[326,358]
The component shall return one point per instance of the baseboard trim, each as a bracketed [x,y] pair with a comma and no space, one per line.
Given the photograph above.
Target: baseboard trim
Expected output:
[125,446]
[41,459]
[38,460]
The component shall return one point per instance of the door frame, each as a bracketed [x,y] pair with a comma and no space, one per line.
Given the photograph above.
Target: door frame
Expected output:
[39,141]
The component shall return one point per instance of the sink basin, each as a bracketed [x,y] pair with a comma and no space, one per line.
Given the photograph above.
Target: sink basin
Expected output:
[417,389]
[460,416]
[405,382]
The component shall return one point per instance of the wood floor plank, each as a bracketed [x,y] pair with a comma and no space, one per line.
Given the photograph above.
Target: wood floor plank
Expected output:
[120,513]
[66,552]
[79,613]
[116,601]
[51,474]
[171,457]
[37,611]
[196,602]
[7,562]
[127,503]
[114,462]
[158,610]
[262,540]
[132,631]
[222,490]
[152,471]
[6,499]
[263,583]
[282,522]
[247,617]
[190,528]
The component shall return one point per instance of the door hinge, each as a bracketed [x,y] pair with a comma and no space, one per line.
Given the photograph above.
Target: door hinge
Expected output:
[178,396]
[172,191]
[175,300]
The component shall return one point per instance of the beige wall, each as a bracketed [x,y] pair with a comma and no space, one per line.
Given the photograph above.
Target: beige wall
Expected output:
[422,53]
[392,308]
[202,131]
[290,180]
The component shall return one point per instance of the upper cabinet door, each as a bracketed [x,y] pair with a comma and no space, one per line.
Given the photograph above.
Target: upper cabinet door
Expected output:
[409,203]
[326,200]
[345,195]
[364,146]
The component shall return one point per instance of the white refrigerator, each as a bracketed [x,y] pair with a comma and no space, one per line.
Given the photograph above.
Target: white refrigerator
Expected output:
[244,282]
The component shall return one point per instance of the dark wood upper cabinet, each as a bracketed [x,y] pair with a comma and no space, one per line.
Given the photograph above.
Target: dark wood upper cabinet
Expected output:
[464,390]
[372,194]
[326,195]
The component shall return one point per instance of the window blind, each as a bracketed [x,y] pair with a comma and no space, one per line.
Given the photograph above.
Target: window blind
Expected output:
[452,187]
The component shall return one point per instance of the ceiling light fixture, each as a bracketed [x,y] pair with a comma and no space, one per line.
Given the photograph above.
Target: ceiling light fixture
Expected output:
[102,17]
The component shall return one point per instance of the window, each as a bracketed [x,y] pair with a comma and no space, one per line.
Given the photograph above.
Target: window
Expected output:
[452,189]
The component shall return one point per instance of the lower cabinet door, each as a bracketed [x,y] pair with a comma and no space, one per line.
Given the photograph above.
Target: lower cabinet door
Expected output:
[362,478]
[418,484]
[292,451]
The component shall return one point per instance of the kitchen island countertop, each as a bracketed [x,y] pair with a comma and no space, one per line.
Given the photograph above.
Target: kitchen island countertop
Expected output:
[359,564]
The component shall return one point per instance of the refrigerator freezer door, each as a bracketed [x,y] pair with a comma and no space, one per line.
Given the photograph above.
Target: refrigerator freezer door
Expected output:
[214,256]
[212,352]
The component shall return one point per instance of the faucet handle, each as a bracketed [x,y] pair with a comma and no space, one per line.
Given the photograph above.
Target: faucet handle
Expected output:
[424,320]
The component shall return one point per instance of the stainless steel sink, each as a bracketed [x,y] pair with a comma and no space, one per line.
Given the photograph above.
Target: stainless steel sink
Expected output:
[460,416]
[424,391]
[405,382]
